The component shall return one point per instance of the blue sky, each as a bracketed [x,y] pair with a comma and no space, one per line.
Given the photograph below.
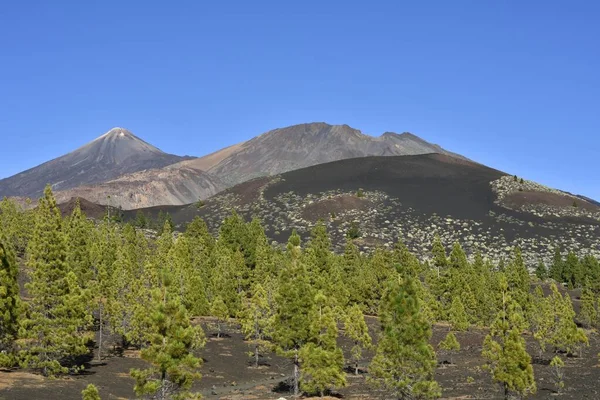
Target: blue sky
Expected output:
[512,84]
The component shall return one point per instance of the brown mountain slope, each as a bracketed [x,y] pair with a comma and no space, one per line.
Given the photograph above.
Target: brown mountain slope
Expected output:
[300,146]
[111,155]
[171,185]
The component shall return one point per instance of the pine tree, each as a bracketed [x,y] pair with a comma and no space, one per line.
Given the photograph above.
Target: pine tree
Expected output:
[324,272]
[172,338]
[322,360]
[78,235]
[190,285]
[440,261]
[565,335]
[54,328]
[556,271]
[542,320]
[10,302]
[588,315]
[102,256]
[16,224]
[450,344]
[219,310]
[458,317]
[518,279]
[294,307]
[355,328]
[256,320]
[90,393]
[129,287]
[504,348]
[557,365]
[404,362]
[541,271]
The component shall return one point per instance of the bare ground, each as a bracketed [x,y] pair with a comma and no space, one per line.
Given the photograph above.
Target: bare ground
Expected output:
[228,373]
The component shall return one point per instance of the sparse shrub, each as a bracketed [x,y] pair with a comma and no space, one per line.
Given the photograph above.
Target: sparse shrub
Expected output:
[470,379]
[575,204]
[360,193]
[90,393]
[332,214]
[450,345]
[354,231]
[558,373]
[200,204]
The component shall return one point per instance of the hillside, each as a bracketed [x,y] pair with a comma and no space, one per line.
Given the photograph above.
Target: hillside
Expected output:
[111,155]
[411,198]
[169,185]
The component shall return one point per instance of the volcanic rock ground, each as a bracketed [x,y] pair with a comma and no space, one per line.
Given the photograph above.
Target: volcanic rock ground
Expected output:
[409,198]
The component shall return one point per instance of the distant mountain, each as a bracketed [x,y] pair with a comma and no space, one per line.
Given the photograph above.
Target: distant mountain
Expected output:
[304,145]
[113,154]
[122,170]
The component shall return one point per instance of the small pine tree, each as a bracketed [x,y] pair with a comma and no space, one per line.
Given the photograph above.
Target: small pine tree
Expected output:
[588,315]
[450,344]
[322,359]
[541,271]
[353,231]
[90,393]
[458,316]
[256,320]
[521,181]
[558,374]
[294,307]
[360,193]
[404,362]
[355,328]
[504,348]
[219,310]
[174,368]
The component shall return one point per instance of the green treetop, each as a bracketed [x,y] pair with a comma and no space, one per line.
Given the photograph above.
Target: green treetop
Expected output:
[172,339]
[404,362]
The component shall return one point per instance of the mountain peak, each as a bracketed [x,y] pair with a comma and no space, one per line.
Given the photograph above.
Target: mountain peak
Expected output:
[115,153]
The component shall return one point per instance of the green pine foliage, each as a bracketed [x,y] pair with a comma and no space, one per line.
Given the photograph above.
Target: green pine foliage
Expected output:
[295,303]
[558,373]
[172,340]
[53,330]
[355,328]
[256,320]
[450,344]
[10,302]
[322,360]
[458,316]
[404,362]
[90,393]
[505,352]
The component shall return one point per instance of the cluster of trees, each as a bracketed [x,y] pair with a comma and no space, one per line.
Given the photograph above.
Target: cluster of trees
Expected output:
[88,278]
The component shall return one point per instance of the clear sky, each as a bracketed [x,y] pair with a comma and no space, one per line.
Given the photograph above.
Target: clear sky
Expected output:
[512,84]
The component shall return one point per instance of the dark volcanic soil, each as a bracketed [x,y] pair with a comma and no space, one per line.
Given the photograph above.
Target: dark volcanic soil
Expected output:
[228,374]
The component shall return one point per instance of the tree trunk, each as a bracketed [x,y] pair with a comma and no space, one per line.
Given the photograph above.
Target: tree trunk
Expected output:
[256,355]
[356,368]
[296,369]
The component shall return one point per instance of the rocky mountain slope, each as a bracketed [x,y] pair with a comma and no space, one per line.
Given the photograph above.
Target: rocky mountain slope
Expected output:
[111,155]
[164,186]
[304,145]
[412,198]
